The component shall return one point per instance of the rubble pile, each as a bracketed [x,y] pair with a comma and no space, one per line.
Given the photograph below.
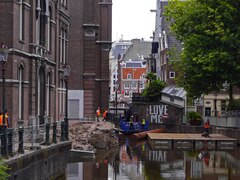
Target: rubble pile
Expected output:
[92,136]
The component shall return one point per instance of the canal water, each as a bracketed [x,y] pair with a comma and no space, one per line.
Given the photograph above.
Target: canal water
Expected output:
[136,160]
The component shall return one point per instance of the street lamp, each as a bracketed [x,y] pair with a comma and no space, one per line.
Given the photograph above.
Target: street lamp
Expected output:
[3,127]
[66,74]
[116,101]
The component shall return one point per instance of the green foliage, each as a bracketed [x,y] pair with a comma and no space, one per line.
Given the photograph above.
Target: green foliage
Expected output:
[151,76]
[153,90]
[3,171]
[234,105]
[194,116]
[210,31]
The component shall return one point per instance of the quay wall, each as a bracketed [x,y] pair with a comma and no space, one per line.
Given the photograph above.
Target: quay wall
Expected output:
[48,162]
[229,132]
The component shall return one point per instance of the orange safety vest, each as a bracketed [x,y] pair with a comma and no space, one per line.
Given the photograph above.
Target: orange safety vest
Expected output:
[1,119]
[6,119]
[206,125]
[98,112]
[105,114]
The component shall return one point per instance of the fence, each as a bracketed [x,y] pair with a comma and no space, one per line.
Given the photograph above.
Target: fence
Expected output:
[17,140]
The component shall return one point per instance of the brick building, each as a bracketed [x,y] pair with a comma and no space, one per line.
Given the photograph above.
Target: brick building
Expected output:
[89,45]
[37,34]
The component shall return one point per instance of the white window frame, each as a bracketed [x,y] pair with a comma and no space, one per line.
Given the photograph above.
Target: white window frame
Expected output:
[129,76]
[171,74]
[126,86]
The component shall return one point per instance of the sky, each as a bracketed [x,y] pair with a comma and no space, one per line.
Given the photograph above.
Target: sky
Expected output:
[133,19]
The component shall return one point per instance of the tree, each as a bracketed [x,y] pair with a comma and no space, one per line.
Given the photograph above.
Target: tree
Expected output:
[153,90]
[210,32]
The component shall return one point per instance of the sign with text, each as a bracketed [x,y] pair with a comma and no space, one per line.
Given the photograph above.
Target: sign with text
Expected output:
[157,112]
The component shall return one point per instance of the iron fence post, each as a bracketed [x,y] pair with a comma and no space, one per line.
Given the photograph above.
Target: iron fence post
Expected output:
[10,143]
[47,139]
[54,140]
[62,131]
[3,130]
[20,135]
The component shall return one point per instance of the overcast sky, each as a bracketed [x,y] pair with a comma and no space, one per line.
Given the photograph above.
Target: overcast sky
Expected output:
[133,19]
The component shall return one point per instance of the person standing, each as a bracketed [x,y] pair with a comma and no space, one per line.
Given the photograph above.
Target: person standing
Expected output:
[7,119]
[206,127]
[105,115]
[131,123]
[1,118]
[98,113]
[143,123]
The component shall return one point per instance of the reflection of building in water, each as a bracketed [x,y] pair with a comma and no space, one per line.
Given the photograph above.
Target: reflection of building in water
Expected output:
[75,171]
[220,165]
[157,164]
[87,171]
[130,166]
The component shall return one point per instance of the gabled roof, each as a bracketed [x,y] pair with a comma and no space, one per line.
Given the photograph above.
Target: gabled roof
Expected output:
[119,48]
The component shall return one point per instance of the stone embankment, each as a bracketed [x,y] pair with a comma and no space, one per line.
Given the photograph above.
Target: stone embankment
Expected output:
[92,136]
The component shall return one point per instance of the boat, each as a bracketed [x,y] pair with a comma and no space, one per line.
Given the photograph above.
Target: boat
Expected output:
[137,127]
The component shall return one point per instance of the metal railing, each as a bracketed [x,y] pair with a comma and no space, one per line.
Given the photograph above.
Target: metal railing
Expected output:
[33,137]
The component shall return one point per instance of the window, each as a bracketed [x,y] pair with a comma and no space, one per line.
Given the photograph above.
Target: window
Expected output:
[63,45]
[171,74]
[129,76]
[42,15]
[48,97]
[207,111]
[49,38]
[126,86]
[64,3]
[20,93]
[21,21]
[126,93]
[223,105]
[134,85]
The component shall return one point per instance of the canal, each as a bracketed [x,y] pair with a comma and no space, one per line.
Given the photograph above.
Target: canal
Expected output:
[135,160]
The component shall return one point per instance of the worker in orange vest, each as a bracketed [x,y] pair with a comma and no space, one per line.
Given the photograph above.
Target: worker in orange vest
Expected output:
[105,115]
[98,113]
[206,127]
[6,118]
[1,118]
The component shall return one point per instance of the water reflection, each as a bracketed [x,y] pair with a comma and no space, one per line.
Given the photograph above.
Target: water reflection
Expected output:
[136,160]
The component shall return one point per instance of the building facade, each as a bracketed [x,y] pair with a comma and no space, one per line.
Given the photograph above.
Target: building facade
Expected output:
[89,46]
[128,69]
[36,33]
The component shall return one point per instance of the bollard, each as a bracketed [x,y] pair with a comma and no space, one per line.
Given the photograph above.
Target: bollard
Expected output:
[20,136]
[47,139]
[54,140]
[3,130]
[10,143]
[62,131]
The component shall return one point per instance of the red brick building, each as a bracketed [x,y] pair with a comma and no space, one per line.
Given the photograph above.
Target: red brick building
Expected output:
[89,45]
[36,31]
